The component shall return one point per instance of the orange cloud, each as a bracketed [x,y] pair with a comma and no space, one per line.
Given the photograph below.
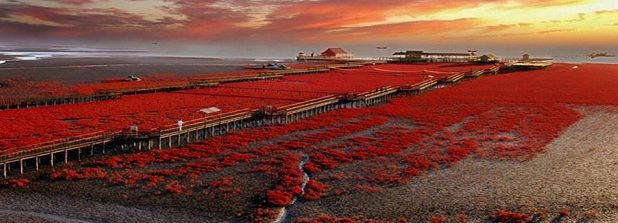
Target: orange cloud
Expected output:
[294,22]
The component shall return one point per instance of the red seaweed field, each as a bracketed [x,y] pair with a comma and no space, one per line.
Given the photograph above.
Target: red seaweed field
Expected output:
[22,128]
[508,117]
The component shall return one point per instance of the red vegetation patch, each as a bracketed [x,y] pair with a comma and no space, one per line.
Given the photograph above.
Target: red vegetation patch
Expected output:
[263,215]
[174,187]
[565,212]
[325,218]
[314,190]
[438,219]
[235,158]
[503,216]
[310,167]
[18,183]
[279,198]
[84,174]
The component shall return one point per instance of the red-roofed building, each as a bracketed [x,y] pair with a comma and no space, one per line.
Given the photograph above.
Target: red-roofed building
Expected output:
[336,53]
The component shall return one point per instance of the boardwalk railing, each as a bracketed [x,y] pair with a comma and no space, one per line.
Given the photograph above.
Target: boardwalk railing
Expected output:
[452,78]
[54,146]
[35,101]
[206,122]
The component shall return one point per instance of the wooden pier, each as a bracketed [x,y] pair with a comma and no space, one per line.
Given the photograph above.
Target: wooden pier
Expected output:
[102,95]
[210,126]
[452,78]
[418,87]
[37,101]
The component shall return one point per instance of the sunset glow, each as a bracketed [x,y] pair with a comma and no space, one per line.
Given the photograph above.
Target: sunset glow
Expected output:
[553,23]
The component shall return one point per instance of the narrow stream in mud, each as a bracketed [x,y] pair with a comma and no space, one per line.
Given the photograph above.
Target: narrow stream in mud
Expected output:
[282,217]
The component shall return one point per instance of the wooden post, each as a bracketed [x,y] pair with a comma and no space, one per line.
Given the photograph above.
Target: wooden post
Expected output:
[21,166]
[36,163]
[4,170]
[51,159]
[66,156]
[91,149]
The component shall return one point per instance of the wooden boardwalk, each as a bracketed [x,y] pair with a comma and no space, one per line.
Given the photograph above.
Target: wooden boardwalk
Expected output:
[203,128]
[102,95]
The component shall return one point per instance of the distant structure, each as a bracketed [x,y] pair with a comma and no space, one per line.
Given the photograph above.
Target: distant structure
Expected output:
[599,54]
[336,53]
[420,56]
[488,58]
[526,62]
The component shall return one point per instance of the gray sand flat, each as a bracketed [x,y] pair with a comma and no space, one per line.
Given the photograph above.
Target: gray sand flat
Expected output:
[579,171]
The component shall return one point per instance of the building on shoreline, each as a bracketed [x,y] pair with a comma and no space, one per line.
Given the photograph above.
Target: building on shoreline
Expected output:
[335,53]
[420,56]
[526,62]
[488,58]
[410,56]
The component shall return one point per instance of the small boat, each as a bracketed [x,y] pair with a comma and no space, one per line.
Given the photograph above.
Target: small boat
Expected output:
[133,78]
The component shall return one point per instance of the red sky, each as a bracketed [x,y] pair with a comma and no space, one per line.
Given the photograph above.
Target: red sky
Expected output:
[283,27]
